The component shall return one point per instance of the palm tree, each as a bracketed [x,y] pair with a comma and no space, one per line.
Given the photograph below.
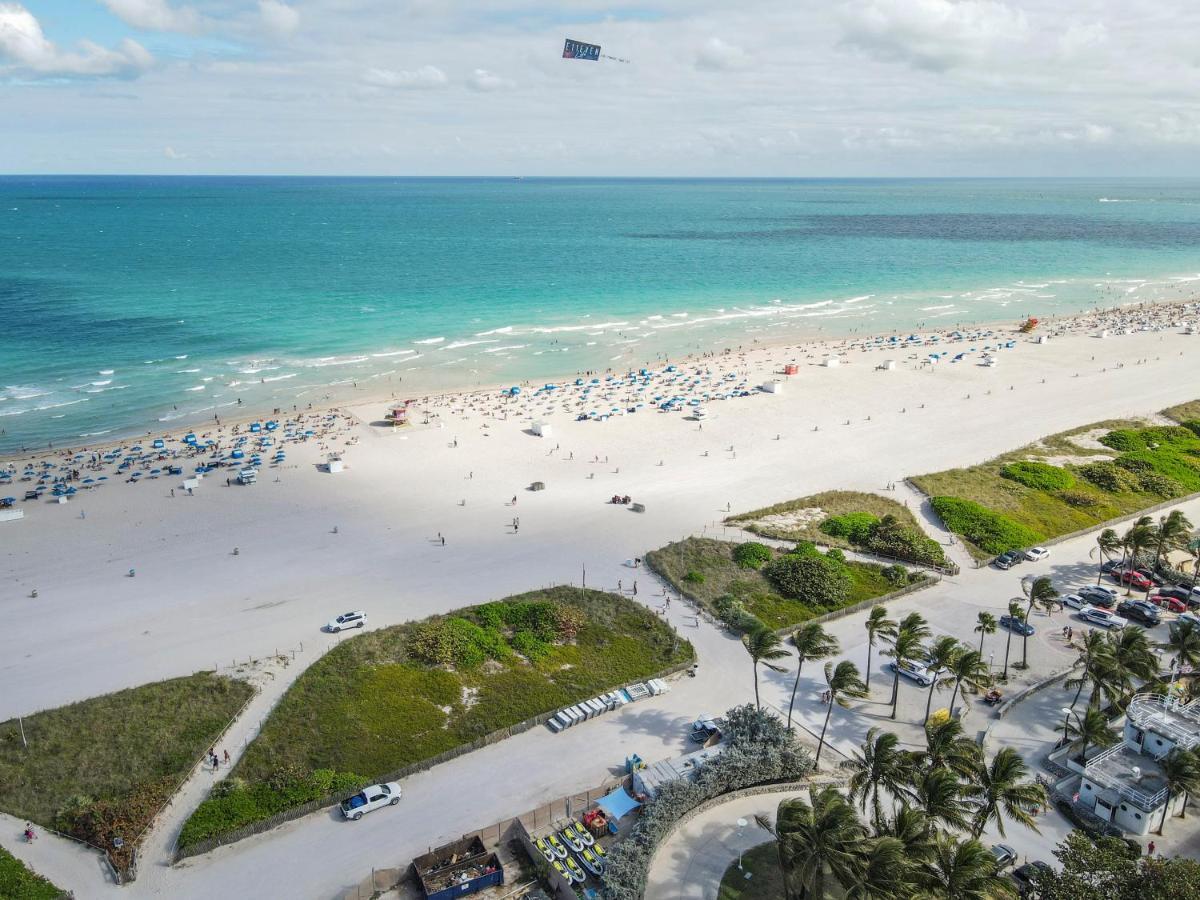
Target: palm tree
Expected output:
[764,648]
[1014,610]
[1093,730]
[1130,657]
[940,658]
[963,870]
[906,647]
[1095,645]
[818,842]
[915,622]
[877,625]
[887,871]
[1000,790]
[940,795]
[843,683]
[1184,643]
[947,747]
[1107,546]
[1037,590]
[1139,538]
[910,826]
[1181,772]
[881,765]
[1172,533]
[812,642]
[986,626]
[970,672]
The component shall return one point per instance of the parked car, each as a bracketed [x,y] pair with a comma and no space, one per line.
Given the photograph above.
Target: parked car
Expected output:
[1134,579]
[1017,624]
[1183,595]
[1073,601]
[1150,575]
[915,671]
[1035,554]
[1189,617]
[1023,875]
[1009,559]
[1102,617]
[1099,595]
[347,620]
[370,799]
[1005,856]
[1169,602]
[1140,611]
[1110,566]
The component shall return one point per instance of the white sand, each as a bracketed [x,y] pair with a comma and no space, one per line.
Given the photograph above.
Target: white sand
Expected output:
[193,604]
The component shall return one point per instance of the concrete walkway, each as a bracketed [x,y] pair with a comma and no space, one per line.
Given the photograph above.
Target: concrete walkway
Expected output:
[689,866]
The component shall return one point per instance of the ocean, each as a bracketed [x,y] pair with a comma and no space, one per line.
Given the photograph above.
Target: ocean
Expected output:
[129,304]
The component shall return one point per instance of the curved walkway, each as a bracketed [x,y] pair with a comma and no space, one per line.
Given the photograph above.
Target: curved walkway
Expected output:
[689,865]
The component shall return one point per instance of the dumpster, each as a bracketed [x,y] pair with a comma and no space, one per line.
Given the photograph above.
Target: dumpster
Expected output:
[457,869]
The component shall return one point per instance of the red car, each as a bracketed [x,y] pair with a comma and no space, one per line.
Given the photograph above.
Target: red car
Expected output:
[1137,580]
[1171,604]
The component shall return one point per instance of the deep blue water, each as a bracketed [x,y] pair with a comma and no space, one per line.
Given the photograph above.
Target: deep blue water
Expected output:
[131,303]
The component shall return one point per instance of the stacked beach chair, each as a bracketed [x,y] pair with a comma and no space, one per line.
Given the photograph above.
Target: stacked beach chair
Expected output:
[589,709]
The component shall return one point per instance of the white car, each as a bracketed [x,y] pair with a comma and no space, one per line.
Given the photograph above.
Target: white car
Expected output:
[1102,617]
[1074,601]
[347,620]
[914,670]
[1036,554]
[1189,617]
[370,799]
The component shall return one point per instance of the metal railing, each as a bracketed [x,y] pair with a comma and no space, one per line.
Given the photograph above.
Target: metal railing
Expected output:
[1094,772]
[1166,716]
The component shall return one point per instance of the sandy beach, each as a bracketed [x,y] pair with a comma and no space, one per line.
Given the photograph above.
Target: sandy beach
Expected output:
[237,572]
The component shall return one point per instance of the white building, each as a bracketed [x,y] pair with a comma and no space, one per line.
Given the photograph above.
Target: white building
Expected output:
[1124,784]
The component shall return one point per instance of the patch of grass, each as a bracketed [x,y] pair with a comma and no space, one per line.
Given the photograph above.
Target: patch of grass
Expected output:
[376,704]
[19,883]
[102,767]
[1184,412]
[766,876]
[832,503]
[753,592]
[994,511]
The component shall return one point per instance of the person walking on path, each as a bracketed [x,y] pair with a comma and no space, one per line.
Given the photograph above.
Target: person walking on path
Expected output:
[443,541]
[635,589]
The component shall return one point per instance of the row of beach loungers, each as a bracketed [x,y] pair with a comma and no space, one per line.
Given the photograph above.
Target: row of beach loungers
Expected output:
[589,709]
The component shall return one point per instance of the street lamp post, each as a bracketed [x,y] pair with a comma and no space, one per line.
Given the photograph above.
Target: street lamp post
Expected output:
[741,823]
[1067,713]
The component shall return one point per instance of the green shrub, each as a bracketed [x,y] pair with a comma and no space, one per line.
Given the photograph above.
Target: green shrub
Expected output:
[1123,439]
[1108,476]
[896,575]
[854,527]
[1134,464]
[752,555]
[1169,461]
[694,577]
[890,538]
[1077,499]
[812,579]
[530,645]
[988,530]
[836,555]
[1038,475]
[1160,485]
[806,548]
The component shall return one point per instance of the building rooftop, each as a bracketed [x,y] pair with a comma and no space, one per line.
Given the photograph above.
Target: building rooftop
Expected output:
[1133,775]
[1167,716]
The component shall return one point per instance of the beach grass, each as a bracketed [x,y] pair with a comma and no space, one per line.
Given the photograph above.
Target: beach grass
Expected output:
[1081,479]
[399,696]
[102,768]
[766,876]
[705,570]
[1184,412]
[830,503]
[17,882]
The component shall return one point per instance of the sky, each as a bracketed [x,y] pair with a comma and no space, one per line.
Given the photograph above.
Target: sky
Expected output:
[787,88]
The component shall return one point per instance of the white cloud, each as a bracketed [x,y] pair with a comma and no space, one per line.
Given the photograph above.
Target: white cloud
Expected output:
[718,56]
[483,80]
[171,153]
[933,34]
[156,15]
[418,79]
[278,18]
[25,49]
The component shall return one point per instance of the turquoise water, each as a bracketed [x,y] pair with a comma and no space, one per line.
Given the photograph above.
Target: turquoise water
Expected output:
[132,303]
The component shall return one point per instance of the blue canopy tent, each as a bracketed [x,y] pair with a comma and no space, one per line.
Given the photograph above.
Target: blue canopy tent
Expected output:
[617,804]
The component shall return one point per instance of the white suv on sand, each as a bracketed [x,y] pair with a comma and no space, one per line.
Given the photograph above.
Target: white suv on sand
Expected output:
[347,620]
